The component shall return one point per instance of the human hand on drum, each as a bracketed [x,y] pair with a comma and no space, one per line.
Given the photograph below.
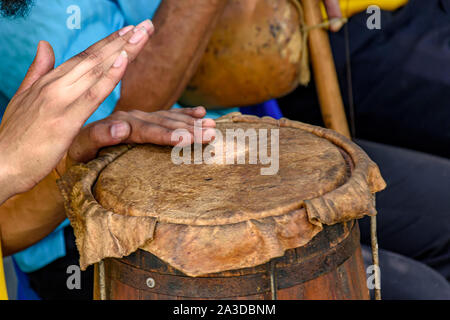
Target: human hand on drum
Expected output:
[137,127]
[52,105]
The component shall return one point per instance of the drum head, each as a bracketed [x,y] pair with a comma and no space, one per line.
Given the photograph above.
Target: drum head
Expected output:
[146,182]
[207,218]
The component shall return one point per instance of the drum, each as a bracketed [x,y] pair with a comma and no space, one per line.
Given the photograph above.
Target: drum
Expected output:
[270,215]
[254,55]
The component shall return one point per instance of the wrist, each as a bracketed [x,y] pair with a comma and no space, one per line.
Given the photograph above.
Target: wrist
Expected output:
[64,165]
[7,184]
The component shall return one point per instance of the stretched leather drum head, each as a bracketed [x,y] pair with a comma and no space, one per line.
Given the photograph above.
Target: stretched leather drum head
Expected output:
[204,218]
[145,182]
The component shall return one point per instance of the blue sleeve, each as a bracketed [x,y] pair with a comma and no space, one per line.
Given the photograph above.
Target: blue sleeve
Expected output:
[135,11]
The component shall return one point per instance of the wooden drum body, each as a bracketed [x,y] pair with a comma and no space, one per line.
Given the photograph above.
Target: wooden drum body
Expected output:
[330,267]
[162,229]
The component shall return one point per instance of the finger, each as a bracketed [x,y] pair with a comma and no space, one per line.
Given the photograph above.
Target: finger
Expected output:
[95,75]
[150,132]
[71,63]
[191,121]
[198,112]
[334,11]
[42,64]
[172,119]
[142,31]
[98,135]
[132,40]
[141,35]
[85,105]
[190,115]
[127,33]
[173,124]
[96,59]
[135,38]
[175,121]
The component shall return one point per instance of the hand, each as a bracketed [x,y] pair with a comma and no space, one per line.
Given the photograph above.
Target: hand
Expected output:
[52,105]
[334,11]
[137,127]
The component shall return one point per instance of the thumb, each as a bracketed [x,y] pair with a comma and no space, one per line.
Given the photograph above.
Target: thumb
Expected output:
[43,63]
[98,135]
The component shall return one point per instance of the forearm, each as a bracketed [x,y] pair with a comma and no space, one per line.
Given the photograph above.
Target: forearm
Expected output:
[29,217]
[8,176]
[159,75]
[6,186]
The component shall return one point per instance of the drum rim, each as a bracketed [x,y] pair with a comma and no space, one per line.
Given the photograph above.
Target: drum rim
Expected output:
[110,201]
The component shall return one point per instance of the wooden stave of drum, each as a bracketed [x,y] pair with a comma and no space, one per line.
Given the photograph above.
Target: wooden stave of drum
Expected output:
[330,267]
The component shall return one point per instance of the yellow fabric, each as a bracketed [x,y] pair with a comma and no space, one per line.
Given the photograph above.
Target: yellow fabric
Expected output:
[352,7]
[3,293]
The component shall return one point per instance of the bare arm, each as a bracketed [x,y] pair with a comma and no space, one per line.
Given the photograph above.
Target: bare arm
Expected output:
[27,218]
[5,192]
[160,73]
